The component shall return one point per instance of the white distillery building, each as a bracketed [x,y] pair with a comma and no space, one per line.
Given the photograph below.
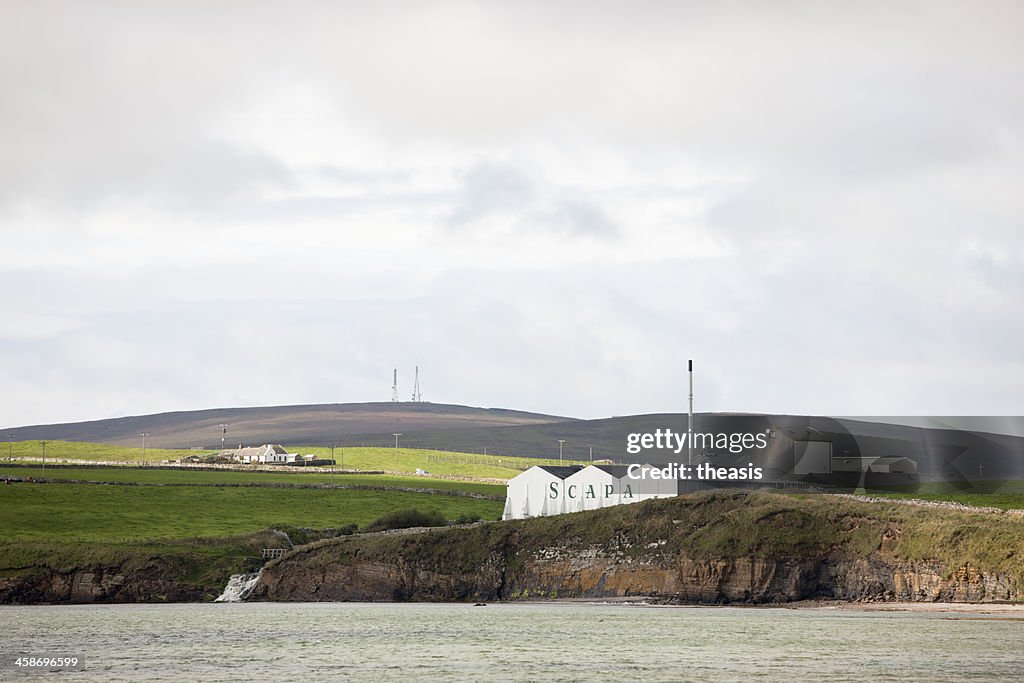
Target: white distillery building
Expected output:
[541,491]
[596,487]
[530,493]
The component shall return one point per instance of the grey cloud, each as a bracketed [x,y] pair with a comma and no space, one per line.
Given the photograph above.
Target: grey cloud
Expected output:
[582,217]
[858,163]
[585,340]
[111,104]
[852,91]
[491,189]
[126,102]
[294,209]
[361,177]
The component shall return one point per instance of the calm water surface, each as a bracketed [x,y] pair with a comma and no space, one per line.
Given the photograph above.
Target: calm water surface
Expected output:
[530,642]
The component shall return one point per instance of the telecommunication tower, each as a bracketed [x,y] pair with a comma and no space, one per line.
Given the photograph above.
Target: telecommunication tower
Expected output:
[394,387]
[416,395]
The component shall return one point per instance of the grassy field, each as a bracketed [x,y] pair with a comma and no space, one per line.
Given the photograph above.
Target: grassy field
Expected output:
[435,462]
[1005,495]
[999,494]
[73,450]
[352,458]
[86,513]
[153,475]
[190,535]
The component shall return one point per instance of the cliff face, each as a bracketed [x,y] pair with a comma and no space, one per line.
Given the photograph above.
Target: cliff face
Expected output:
[559,572]
[99,583]
[703,548]
[187,571]
[719,548]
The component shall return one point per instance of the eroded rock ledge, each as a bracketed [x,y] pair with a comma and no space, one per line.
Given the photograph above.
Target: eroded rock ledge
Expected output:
[706,548]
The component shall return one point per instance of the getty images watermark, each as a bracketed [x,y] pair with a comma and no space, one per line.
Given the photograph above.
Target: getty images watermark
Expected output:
[677,442]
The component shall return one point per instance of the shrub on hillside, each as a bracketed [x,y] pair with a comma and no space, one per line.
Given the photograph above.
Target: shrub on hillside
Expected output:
[404,519]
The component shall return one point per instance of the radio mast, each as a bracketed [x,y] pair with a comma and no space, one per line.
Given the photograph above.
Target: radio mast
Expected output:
[416,395]
[394,387]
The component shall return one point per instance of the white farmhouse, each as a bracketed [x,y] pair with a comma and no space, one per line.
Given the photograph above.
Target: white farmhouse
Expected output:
[268,453]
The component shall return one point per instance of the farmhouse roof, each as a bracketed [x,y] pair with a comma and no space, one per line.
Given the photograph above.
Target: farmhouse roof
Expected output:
[260,450]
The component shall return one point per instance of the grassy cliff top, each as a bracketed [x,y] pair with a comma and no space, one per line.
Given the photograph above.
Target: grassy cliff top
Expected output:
[730,525]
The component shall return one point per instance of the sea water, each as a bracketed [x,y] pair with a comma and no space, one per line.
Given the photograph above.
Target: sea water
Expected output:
[509,642]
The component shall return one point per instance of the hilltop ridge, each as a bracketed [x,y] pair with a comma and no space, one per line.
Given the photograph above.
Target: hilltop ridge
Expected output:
[294,424]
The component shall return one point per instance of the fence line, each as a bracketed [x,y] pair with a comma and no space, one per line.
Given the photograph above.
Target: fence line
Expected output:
[515,463]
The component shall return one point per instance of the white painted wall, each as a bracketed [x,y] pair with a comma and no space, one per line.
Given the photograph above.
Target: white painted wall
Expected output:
[590,489]
[655,488]
[529,495]
[537,492]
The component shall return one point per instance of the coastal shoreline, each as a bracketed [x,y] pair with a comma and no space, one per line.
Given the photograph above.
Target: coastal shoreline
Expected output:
[981,608]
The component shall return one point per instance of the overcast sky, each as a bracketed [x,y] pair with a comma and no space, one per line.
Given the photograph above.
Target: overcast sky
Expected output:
[547,206]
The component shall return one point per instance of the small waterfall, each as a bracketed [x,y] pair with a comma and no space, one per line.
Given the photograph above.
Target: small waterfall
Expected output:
[239,586]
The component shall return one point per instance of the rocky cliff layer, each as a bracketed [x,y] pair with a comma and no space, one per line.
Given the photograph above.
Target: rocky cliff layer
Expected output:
[193,570]
[707,548]
[101,583]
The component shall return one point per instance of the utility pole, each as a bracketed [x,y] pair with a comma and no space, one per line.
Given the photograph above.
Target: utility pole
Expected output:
[43,443]
[332,465]
[10,447]
[144,435]
[396,447]
[591,447]
[560,442]
[689,429]
[223,433]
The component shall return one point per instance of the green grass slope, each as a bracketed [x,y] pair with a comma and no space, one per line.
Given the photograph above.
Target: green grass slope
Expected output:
[155,476]
[408,460]
[85,513]
[180,542]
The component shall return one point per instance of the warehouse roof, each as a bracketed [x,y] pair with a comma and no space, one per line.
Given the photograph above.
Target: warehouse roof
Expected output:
[617,471]
[560,472]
